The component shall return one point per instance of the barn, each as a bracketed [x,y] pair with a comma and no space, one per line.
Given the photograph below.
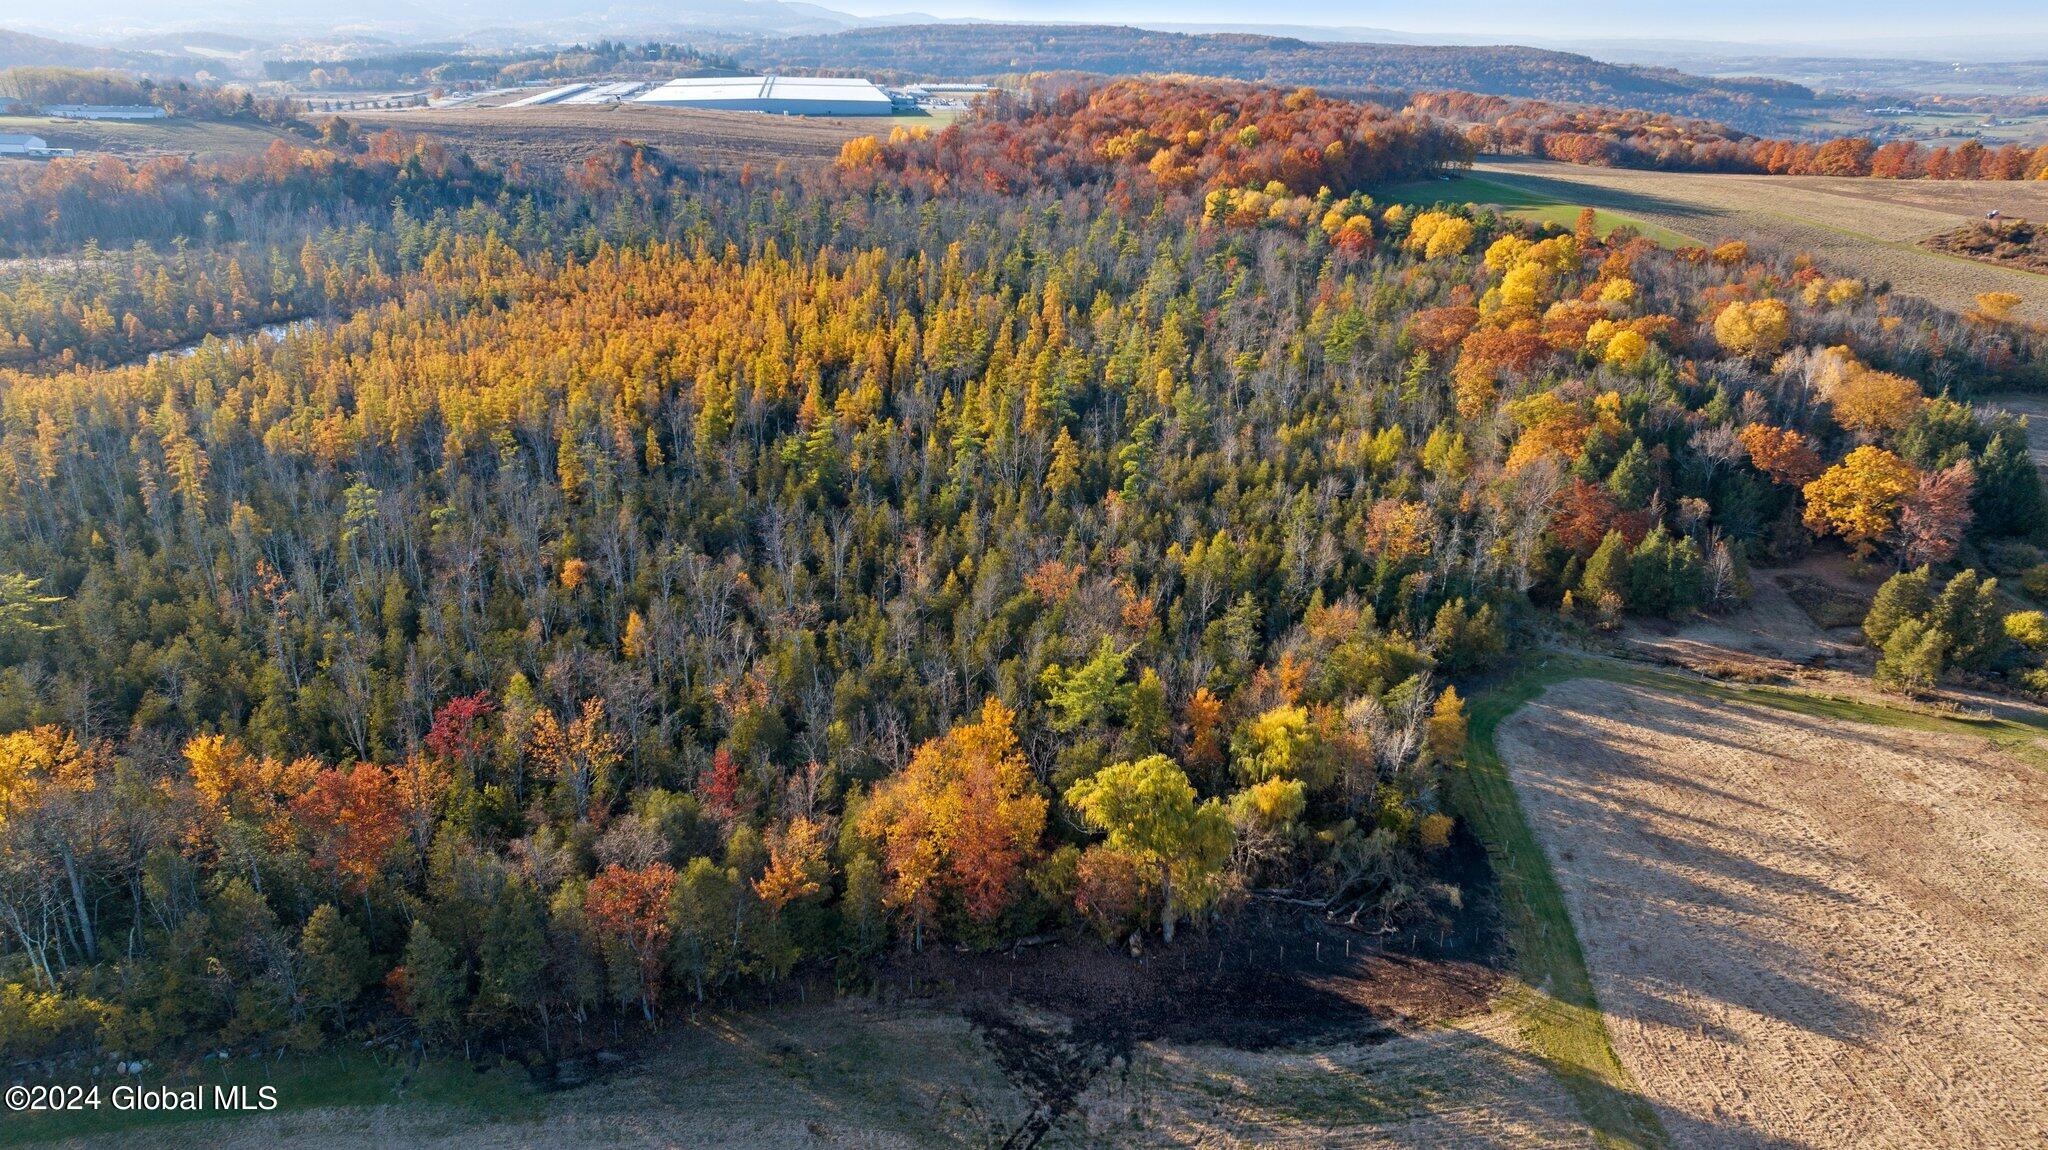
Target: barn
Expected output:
[18,144]
[790,95]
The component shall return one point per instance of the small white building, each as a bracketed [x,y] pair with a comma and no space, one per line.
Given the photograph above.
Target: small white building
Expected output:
[19,144]
[106,111]
[792,95]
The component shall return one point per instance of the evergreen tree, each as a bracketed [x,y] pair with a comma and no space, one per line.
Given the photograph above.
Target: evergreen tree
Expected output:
[1966,614]
[436,984]
[2008,496]
[1634,478]
[1915,656]
[335,964]
[1664,574]
[1605,579]
[1904,596]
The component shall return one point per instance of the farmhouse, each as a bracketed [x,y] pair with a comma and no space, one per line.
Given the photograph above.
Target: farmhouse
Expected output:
[793,95]
[107,111]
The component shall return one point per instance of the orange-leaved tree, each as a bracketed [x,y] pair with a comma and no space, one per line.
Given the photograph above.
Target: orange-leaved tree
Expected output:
[961,821]
[628,909]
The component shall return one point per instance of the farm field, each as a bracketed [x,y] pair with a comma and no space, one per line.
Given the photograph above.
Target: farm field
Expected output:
[136,138]
[1803,931]
[1868,228]
[563,135]
[1526,203]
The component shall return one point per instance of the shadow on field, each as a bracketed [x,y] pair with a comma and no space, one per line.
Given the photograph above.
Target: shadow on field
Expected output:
[1657,868]
[1592,195]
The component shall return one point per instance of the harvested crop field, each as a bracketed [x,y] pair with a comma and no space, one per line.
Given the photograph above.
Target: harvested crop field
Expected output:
[1804,933]
[564,135]
[1868,228]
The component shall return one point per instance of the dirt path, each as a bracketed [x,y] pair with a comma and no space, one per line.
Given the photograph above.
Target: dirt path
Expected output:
[1868,228]
[1805,934]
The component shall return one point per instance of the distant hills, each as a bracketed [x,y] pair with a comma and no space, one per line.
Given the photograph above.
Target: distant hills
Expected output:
[19,49]
[810,39]
[967,51]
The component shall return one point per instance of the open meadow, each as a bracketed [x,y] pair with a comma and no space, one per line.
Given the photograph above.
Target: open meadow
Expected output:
[1868,228]
[135,139]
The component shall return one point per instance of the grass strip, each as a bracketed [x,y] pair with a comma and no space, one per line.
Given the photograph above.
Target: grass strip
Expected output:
[317,1082]
[1554,1003]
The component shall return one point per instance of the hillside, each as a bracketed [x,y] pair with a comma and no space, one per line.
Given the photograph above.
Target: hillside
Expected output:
[19,49]
[963,51]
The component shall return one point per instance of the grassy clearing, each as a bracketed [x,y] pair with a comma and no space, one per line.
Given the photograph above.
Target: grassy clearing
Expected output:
[2020,737]
[1554,1002]
[1524,204]
[448,1087]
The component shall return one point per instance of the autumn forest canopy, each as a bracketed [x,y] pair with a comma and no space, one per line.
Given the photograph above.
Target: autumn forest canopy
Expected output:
[602,591]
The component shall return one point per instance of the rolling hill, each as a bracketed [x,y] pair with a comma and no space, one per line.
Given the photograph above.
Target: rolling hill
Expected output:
[977,50]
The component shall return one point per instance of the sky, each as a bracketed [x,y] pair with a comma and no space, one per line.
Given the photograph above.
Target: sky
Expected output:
[1724,20]
[1990,28]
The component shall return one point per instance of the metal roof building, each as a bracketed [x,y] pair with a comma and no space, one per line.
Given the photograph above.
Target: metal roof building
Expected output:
[795,95]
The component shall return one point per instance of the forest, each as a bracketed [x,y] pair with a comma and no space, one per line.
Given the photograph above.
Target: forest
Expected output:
[633,586]
[1629,138]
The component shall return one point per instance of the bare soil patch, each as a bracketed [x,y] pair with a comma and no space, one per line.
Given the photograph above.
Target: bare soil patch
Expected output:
[1805,933]
[563,135]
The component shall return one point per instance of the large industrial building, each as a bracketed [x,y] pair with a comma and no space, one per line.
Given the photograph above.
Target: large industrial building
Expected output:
[792,95]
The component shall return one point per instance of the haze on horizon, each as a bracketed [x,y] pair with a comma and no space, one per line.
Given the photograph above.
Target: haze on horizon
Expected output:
[1982,28]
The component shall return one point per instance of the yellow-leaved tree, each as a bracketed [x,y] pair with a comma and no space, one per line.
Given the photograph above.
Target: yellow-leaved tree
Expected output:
[1753,329]
[1860,497]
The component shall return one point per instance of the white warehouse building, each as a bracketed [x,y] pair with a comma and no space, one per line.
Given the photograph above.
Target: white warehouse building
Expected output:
[794,95]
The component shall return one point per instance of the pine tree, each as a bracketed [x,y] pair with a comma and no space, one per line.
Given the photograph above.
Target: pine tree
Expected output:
[1967,615]
[1664,574]
[1904,596]
[335,964]
[1606,575]
[1633,480]
[1915,656]
[436,984]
